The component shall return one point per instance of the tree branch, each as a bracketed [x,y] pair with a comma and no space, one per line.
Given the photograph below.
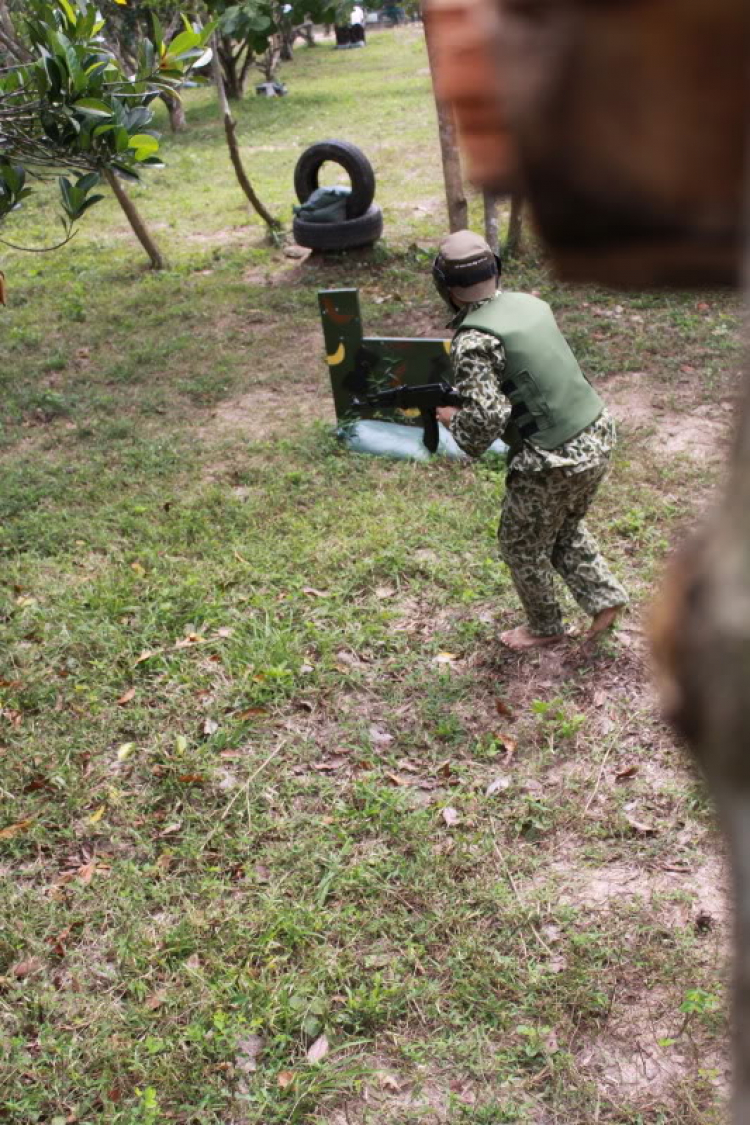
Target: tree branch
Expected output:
[39,249]
[230,129]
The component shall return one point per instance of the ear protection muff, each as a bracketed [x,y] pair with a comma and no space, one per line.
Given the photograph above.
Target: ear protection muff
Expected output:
[448,275]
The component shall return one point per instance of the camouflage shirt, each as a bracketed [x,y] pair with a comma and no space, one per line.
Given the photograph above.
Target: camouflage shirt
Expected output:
[478,361]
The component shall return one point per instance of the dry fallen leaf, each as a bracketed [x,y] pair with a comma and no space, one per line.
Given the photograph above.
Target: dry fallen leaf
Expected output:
[37,783]
[508,742]
[330,765]
[284,1078]
[379,736]
[27,968]
[126,697]
[171,829]
[86,872]
[405,764]
[125,751]
[319,1050]
[383,592]
[210,726]
[155,1000]
[313,593]
[97,816]
[146,655]
[388,1082]
[640,828]
[189,640]
[503,709]
[16,829]
[248,1051]
[626,772]
[451,816]
[191,778]
[496,786]
[444,658]
[251,713]
[399,779]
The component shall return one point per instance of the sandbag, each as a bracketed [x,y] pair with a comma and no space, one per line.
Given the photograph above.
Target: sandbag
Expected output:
[325,205]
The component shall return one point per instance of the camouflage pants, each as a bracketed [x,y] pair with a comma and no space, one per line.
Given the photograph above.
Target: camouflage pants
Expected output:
[542,531]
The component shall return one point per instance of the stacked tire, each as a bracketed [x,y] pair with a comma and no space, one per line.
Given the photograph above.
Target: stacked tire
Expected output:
[364,220]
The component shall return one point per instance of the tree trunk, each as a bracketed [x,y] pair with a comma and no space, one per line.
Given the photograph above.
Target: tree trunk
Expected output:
[233,78]
[458,208]
[286,52]
[230,130]
[272,58]
[139,227]
[514,240]
[701,642]
[176,111]
[491,231]
[307,31]
[9,41]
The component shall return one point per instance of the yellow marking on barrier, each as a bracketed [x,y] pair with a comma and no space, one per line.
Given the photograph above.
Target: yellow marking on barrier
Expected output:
[337,357]
[447,346]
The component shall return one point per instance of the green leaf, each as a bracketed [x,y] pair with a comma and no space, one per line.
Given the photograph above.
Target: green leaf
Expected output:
[94,107]
[70,14]
[144,143]
[185,41]
[89,181]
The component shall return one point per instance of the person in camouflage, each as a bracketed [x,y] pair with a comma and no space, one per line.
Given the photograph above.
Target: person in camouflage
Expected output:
[521,381]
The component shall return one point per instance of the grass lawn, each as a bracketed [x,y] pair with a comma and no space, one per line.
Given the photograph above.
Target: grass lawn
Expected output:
[285,836]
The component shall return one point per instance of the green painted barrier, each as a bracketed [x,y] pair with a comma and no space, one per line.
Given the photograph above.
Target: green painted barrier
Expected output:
[362,366]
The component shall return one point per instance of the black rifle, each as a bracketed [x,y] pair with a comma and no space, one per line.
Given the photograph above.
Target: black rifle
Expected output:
[425,398]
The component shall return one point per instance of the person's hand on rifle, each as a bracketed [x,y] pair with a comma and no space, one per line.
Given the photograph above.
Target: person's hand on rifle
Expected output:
[445,414]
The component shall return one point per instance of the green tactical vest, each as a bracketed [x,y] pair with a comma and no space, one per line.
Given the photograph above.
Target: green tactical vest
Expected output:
[551,399]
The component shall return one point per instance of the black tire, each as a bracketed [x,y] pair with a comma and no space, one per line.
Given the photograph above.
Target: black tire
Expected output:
[351,159]
[362,231]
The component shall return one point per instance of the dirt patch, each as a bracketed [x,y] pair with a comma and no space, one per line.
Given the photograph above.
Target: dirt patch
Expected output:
[268,412]
[645,1054]
[700,432]
[695,892]
[391,1097]
[222,236]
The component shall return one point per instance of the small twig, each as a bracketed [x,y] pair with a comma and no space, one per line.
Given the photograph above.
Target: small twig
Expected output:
[243,790]
[39,249]
[514,888]
[595,790]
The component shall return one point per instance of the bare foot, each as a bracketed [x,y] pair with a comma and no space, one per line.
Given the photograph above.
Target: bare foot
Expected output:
[521,638]
[604,620]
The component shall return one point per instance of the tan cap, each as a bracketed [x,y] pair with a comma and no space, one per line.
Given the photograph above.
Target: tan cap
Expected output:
[468,268]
